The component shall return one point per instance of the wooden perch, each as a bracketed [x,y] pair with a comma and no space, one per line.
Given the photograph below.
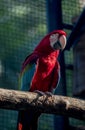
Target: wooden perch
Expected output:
[60,105]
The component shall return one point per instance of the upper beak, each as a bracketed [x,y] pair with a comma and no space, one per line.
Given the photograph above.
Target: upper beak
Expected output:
[61,43]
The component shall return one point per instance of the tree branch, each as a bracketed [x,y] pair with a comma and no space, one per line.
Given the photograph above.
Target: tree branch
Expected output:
[60,105]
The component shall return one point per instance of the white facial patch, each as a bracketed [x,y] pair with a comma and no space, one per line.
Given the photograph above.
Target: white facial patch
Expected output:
[53,39]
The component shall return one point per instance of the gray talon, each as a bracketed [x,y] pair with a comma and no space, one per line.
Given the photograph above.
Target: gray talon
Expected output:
[48,93]
[39,92]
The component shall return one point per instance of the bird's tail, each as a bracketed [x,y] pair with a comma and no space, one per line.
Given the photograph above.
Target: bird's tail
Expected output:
[28,120]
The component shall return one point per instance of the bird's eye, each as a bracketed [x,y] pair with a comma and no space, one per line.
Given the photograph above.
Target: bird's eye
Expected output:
[62,40]
[53,39]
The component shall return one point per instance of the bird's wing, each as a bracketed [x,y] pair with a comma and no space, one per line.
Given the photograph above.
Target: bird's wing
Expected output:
[28,68]
[56,75]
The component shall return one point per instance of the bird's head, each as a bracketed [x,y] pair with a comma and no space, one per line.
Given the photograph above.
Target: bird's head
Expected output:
[53,41]
[58,40]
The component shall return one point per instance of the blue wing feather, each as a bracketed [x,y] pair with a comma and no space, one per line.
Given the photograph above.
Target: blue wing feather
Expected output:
[26,77]
[27,72]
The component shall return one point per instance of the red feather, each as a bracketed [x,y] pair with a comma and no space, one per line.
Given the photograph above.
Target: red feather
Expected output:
[46,76]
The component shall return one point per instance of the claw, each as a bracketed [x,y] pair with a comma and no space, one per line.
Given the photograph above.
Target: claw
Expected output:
[39,92]
[43,93]
[48,93]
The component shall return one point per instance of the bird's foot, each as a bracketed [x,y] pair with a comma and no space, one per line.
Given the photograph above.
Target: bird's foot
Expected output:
[48,93]
[39,92]
[43,93]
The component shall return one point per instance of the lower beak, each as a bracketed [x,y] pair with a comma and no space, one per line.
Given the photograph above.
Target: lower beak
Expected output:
[57,45]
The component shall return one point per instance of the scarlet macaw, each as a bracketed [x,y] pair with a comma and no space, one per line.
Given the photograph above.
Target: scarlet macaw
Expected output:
[46,75]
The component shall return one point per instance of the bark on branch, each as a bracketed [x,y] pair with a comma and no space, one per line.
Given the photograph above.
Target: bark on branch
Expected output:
[60,105]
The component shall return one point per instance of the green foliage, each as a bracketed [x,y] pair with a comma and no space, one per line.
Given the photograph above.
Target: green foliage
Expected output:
[20,22]
[71,8]
[22,25]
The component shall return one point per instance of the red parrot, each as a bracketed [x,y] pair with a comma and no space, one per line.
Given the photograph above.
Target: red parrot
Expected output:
[46,75]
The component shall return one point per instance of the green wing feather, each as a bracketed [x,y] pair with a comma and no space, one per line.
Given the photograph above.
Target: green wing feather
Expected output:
[28,69]
[26,77]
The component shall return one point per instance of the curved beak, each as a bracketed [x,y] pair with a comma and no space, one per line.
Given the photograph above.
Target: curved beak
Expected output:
[61,43]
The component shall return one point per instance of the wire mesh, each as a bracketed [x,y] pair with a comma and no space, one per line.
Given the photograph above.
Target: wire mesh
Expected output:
[71,11]
[22,25]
